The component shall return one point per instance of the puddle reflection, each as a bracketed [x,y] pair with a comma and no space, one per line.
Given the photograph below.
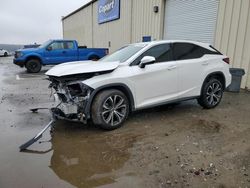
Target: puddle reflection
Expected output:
[86,157]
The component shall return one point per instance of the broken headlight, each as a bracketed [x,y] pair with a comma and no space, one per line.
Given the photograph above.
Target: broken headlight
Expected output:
[78,90]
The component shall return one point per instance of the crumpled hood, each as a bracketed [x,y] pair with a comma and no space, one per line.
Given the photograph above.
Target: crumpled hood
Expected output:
[81,67]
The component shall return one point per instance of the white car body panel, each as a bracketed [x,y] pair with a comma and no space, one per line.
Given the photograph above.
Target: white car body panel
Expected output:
[156,83]
[190,84]
[147,81]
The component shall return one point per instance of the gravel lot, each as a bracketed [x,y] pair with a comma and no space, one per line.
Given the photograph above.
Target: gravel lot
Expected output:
[170,146]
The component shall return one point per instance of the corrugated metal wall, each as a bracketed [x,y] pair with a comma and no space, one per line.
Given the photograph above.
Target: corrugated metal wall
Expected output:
[79,27]
[117,33]
[145,21]
[233,34]
[137,20]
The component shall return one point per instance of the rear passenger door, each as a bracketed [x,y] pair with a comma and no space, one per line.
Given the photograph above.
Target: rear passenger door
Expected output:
[70,51]
[189,59]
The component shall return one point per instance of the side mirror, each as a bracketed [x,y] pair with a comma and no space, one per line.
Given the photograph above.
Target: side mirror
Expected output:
[147,60]
[49,48]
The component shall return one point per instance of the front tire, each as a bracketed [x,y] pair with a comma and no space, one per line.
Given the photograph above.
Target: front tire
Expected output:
[33,66]
[211,94]
[5,54]
[110,109]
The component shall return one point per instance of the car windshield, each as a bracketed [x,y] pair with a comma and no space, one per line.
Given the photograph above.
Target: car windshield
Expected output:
[124,53]
[45,44]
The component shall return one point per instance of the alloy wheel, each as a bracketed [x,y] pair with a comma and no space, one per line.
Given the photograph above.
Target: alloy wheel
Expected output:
[114,110]
[214,94]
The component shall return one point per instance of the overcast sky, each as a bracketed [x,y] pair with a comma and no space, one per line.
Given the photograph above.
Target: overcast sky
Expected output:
[29,21]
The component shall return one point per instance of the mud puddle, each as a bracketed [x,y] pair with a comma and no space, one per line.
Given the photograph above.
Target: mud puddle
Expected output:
[88,157]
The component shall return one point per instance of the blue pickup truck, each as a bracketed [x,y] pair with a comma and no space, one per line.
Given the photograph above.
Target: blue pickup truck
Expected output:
[54,52]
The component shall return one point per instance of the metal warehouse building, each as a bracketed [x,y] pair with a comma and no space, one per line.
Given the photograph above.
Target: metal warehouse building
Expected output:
[114,23]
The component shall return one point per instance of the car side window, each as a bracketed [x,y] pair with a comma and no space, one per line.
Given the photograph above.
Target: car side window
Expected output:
[185,51]
[68,45]
[57,46]
[162,53]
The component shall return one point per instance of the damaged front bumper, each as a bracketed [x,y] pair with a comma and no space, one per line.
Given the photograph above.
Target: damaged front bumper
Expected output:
[75,117]
[72,100]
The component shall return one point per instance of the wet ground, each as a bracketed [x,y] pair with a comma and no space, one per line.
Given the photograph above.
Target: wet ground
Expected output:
[170,146]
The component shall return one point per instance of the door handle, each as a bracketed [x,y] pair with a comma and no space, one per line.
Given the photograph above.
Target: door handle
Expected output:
[172,67]
[64,52]
[205,63]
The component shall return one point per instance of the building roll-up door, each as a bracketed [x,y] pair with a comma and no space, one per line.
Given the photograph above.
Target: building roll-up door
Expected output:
[191,20]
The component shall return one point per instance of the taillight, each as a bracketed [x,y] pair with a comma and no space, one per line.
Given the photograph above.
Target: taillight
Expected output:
[226,60]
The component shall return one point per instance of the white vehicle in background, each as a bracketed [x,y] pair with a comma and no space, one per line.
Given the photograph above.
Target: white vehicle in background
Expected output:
[139,76]
[4,53]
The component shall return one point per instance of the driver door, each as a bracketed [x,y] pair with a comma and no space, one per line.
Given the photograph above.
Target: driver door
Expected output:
[55,53]
[158,82]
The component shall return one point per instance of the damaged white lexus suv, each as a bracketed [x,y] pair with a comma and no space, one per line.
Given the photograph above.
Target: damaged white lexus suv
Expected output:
[139,76]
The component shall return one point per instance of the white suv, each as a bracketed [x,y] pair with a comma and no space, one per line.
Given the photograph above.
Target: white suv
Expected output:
[139,76]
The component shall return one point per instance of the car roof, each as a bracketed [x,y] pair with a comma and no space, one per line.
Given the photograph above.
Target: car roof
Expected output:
[202,44]
[173,41]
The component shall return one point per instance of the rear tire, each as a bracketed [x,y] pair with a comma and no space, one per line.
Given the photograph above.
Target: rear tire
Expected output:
[211,94]
[110,109]
[33,66]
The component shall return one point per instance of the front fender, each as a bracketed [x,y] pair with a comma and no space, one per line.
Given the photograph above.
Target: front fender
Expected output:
[119,86]
[26,57]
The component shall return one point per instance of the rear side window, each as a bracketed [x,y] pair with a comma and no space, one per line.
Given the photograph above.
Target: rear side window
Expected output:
[68,45]
[162,53]
[185,51]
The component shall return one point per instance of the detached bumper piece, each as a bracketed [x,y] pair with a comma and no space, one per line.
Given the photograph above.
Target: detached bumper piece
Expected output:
[37,137]
[58,114]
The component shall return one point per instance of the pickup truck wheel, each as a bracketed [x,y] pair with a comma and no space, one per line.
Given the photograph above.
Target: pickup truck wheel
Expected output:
[5,54]
[94,58]
[211,94]
[110,109]
[33,66]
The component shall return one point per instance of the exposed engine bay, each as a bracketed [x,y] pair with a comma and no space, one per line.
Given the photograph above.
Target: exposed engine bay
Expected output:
[71,96]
